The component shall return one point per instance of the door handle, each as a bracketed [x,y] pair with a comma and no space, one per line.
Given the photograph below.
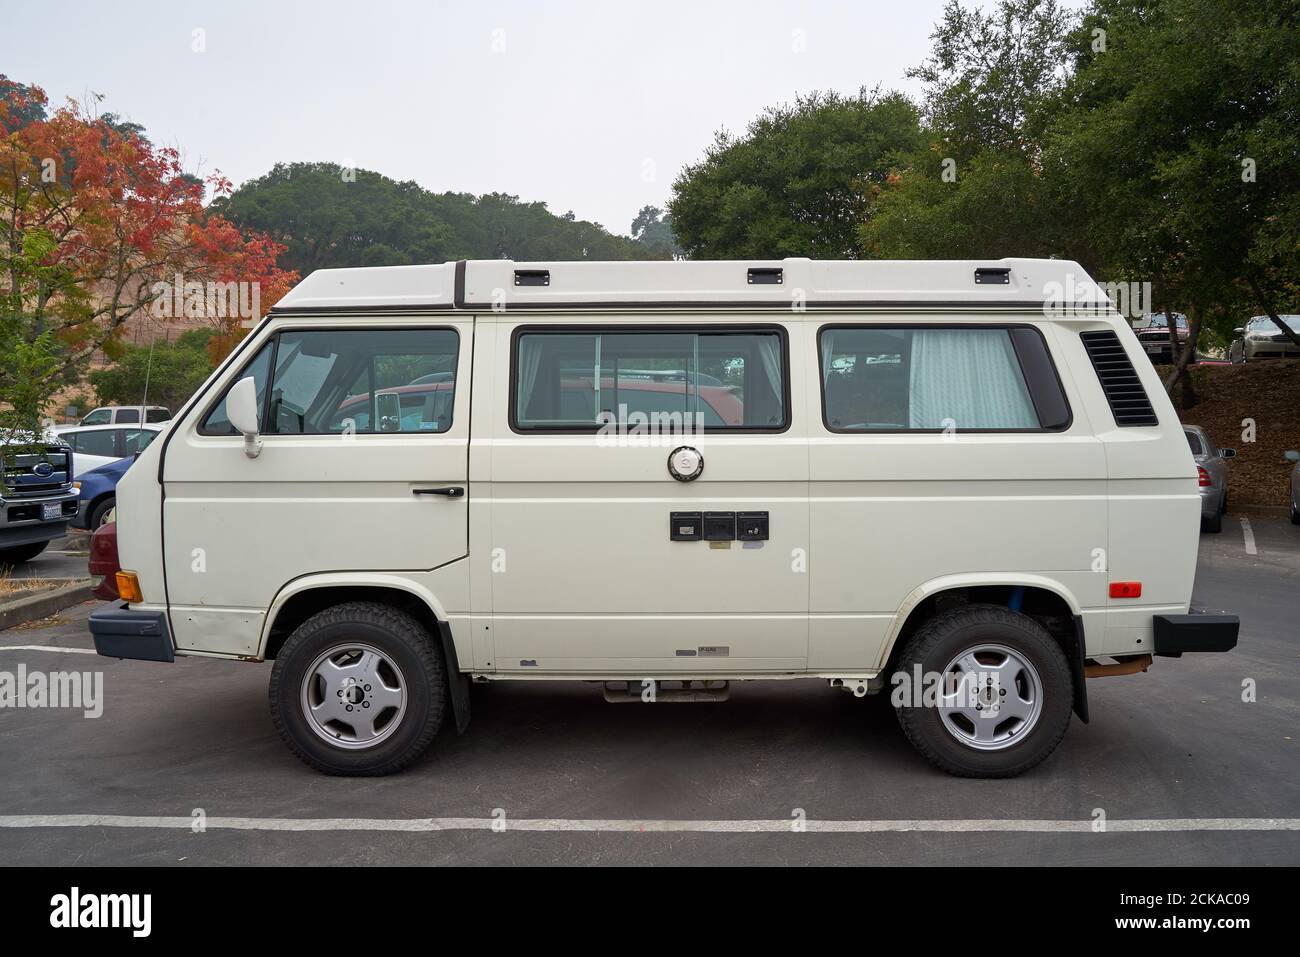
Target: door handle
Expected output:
[451,491]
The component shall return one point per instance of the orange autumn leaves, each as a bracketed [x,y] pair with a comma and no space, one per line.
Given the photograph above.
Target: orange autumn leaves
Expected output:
[93,216]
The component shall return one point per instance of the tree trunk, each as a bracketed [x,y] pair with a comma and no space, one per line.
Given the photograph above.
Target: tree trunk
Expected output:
[1183,357]
[1267,303]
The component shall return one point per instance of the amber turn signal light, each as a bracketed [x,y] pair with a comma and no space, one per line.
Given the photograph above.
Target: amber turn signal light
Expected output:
[128,587]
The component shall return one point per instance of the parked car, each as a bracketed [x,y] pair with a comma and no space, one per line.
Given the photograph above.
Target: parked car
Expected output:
[1153,333]
[1260,338]
[97,445]
[121,415]
[102,562]
[99,493]
[37,497]
[1294,486]
[911,479]
[1212,476]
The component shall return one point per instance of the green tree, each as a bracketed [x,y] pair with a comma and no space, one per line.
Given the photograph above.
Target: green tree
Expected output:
[654,228]
[166,373]
[1178,142]
[975,189]
[328,216]
[798,183]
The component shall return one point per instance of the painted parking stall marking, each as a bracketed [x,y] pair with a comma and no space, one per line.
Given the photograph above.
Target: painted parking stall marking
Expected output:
[1137,825]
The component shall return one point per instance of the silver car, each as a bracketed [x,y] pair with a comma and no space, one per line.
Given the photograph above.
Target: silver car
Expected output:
[1294,499]
[1212,467]
[1260,338]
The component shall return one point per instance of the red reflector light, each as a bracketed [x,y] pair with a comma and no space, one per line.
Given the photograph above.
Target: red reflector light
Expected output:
[1202,477]
[1125,589]
[103,560]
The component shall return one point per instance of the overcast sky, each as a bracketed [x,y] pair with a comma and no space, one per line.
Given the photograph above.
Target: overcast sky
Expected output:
[591,107]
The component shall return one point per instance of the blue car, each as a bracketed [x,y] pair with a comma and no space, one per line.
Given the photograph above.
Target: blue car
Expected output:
[99,493]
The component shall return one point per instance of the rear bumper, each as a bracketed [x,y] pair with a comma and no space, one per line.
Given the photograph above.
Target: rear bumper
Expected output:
[123,632]
[1197,631]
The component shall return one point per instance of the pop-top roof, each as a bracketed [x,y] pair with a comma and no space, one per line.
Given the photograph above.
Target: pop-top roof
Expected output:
[485,284]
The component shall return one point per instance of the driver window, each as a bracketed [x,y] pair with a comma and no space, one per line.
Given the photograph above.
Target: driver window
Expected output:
[363,381]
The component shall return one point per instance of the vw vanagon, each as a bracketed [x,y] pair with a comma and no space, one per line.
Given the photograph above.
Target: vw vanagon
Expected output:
[941,481]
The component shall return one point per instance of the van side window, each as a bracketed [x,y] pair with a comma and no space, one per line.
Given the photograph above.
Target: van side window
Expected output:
[361,381]
[917,379]
[668,380]
[217,423]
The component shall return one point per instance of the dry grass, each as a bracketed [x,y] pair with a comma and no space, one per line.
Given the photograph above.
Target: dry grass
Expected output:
[11,588]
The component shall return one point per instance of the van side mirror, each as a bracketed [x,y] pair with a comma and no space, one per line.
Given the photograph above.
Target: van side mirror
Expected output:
[1293,456]
[241,409]
[388,411]
[1228,453]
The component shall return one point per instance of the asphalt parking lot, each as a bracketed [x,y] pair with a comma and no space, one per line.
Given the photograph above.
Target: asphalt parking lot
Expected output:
[700,783]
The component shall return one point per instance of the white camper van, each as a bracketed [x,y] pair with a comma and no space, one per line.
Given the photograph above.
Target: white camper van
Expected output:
[940,481]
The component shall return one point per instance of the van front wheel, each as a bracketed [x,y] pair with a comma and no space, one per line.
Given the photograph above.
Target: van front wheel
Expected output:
[358,689]
[995,693]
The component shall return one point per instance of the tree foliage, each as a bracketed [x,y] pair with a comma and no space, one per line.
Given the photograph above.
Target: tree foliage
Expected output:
[165,373]
[91,218]
[326,215]
[798,183]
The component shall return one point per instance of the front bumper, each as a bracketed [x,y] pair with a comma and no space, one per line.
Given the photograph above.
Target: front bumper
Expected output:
[1270,349]
[123,632]
[1195,631]
[21,521]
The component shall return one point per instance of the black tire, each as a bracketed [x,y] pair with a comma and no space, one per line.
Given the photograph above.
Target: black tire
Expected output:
[941,640]
[102,509]
[417,656]
[1295,512]
[1213,524]
[21,553]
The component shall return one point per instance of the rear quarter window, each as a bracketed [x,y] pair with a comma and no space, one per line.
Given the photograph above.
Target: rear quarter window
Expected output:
[897,378]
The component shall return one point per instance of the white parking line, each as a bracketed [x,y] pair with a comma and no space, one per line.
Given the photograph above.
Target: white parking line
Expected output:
[1248,534]
[1150,825]
[66,651]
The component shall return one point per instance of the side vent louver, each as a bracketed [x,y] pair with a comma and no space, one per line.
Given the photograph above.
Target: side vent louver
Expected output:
[1119,380]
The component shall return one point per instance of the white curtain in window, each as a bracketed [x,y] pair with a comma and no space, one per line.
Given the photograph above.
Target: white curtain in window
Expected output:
[968,376]
[769,350]
[828,350]
[530,359]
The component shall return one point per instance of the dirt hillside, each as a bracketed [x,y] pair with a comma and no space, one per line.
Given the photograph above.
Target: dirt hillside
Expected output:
[1268,392]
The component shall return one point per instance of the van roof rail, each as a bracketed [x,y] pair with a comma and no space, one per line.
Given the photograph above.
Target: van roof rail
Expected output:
[1053,285]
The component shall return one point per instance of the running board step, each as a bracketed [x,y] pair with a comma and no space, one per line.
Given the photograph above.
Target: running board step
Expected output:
[655,692]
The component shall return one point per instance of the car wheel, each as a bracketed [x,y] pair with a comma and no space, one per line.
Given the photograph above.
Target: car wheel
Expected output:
[359,689]
[1212,523]
[21,553]
[1295,512]
[101,512]
[1004,692]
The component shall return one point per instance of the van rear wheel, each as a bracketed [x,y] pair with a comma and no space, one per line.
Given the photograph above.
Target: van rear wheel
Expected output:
[359,689]
[1001,692]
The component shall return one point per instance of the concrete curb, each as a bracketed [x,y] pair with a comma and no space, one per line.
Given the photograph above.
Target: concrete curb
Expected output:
[46,603]
[1258,509]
